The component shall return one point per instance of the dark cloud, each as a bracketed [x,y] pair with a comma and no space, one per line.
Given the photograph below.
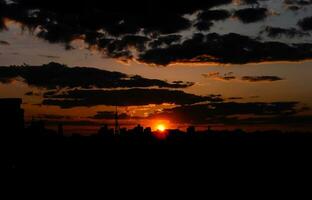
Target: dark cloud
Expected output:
[115,17]
[132,97]
[252,2]
[227,78]
[250,15]
[49,56]
[120,48]
[31,93]
[5,80]
[291,121]
[2,42]
[219,112]
[214,15]
[261,78]
[150,31]
[227,49]
[228,113]
[296,4]
[276,32]
[211,74]
[109,115]
[306,23]
[55,75]
[52,117]
[203,25]
[235,98]
[217,76]
[165,40]
[230,76]
[206,18]
[73,123]
[2,14]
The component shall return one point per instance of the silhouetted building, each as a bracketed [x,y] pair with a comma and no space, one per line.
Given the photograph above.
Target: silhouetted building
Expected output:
[148,131]
[123,131]
[106,132]
[139,129]
[117,127]
[11,115]
[209,129]
[37,127]
[191,130]
[175,133]
[60,130]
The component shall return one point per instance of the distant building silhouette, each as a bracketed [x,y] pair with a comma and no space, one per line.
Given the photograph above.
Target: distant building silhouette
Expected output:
[191,130]
[60,130]
[148,131]
[105,132]
[139,129]
[37,127]
[117,127]
[11,115]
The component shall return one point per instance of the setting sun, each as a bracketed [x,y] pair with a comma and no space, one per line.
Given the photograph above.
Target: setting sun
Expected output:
[161,127]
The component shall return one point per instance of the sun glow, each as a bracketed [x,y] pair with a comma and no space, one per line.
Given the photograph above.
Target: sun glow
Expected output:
[161,127]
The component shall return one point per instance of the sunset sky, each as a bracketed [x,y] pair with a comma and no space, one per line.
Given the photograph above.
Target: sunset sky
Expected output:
[224,64]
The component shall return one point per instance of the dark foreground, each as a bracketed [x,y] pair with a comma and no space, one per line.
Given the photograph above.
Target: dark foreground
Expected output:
[139,151]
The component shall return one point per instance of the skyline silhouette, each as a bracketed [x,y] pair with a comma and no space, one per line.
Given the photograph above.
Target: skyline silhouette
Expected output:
[37,147]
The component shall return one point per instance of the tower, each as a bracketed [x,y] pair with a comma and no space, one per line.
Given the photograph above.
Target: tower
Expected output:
[117,127]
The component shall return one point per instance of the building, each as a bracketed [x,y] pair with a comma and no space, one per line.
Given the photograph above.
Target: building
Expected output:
[191,130]
[139,129]
[11,115]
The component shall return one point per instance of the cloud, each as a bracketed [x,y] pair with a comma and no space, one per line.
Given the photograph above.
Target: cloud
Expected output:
[251,15]
[153,32]
[203,25]
[205,19]
[214,15]
[165,40]
[5,43]
[211,74]
[235,98]
[296,120]
[221,112]
[54,75]
[131,97]
[53,117]
[230,76]
[49,56]
[224,78]
[306,24]
[5,80]
[261,78]
[296,4]
[276,32]
[2,14]
[227,49]
[115,17]
[31,93]
[109,115]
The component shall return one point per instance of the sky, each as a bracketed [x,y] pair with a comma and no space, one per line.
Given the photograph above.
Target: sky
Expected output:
[222,64]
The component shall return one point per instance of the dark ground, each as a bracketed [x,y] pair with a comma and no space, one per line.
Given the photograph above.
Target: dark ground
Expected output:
[139,151]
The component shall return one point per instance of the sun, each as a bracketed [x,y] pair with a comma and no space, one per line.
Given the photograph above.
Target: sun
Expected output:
[161,127]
